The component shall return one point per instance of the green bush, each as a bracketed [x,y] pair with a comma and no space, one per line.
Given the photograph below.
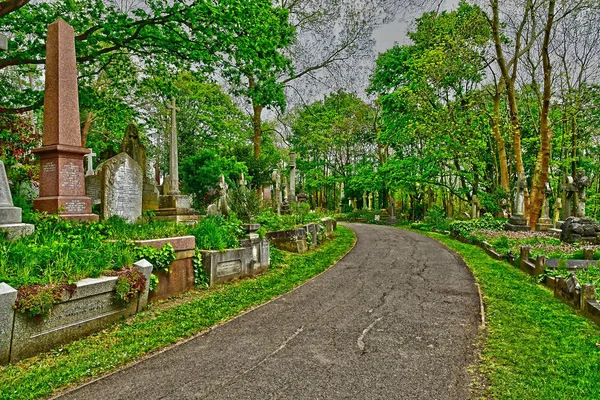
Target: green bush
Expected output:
[245,203]
[216,233]
[464,228]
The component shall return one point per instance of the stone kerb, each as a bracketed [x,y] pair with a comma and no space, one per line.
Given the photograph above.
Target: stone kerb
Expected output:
[180,276]
[90,308]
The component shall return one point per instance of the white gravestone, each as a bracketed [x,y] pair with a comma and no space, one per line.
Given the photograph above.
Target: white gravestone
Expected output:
[122,186]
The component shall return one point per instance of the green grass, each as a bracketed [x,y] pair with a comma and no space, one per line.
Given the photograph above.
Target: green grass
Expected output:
[159,326]
[536,346]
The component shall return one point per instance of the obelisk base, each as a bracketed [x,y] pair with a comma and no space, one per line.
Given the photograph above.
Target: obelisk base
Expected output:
[62,183]
[544,225]
[176,208]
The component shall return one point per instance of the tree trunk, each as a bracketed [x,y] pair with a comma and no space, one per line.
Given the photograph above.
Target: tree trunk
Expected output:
[502,158]
[89,120]
[540,176]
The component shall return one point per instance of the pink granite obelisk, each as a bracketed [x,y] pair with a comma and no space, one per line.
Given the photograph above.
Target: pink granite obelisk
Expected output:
[62,177]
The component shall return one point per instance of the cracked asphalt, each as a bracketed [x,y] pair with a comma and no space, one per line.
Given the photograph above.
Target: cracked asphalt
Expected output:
[396,318]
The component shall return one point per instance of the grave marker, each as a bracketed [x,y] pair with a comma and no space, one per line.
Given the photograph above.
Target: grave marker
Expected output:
[62,178]
[122,185]
[10,216]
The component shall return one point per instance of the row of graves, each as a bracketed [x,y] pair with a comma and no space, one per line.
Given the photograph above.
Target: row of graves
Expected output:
[122,186]
[568,220]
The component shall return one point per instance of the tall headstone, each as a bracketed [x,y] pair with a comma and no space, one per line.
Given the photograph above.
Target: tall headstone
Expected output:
[292,194]
[517,221]
[10,216]
[370,201]
[276,178]
[545,223]
[557,207]
[3,42]
[365,204]
[174,157]
[223,202]
[133,146]
[62,178]
[122,184]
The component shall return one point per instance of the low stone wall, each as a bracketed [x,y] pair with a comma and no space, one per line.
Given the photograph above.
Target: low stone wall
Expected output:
[180,277]
[90,308]
[250,260]
[296,240]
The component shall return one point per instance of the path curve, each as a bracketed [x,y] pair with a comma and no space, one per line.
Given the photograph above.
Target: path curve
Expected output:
[395,319]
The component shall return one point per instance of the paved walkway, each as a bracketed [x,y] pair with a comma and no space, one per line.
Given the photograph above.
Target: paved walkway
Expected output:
[395,319]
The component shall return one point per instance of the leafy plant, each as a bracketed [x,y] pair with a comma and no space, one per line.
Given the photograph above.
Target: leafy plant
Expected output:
[201,277]
[130,282]
[37,300]
[153,283]
[160,259]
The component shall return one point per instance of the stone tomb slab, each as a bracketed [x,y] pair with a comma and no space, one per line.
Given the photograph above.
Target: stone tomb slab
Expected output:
[122,186]
[223,266]
[92,307]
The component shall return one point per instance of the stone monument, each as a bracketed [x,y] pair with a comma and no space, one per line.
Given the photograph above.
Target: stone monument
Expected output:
[475,205]
[365,204]
[122,182]
[10,216]
[354,208]
[173,206]
[133,146]
[223,202]
[568,193]
[545,223]
[582,182]
[557,207]
[292,193]
[62,178]
[90,163]
[517,221]
[276,178]
[370,201]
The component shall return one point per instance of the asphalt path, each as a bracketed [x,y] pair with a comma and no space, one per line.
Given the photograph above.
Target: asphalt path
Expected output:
[395,319]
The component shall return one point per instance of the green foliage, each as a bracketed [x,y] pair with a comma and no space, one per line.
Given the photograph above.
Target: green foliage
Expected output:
[201,277]
[245,203]
[216,233]
[436,216]
[153,283]
[488,222]
[130,283]
[37,300]
[200,175]
[160,259]
[530,330]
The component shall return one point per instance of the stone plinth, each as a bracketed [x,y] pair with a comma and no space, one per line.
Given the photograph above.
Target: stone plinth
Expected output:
[62,185]
[517,223]
[544,225]
[576,229]
[176,208]
[10,216]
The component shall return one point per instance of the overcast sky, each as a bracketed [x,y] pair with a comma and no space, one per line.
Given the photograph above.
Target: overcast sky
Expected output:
[395,32]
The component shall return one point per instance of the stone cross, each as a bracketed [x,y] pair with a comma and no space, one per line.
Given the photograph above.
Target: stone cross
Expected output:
[62,176]
[277,186]
[568,191]
[292,194]
[582,182]
[174,160]
[365,205]
[223,205]
[3,42]
[90,166]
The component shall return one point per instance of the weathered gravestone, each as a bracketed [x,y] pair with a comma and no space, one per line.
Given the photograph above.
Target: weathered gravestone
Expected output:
[10,216]
[62,184]
[122,184]
[518,221]
[545,223]
[133,146]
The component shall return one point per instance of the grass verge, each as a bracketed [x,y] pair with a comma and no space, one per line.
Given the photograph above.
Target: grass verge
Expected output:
[536,346]
[159,326]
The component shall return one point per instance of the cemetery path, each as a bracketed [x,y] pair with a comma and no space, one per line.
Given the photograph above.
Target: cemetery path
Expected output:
[395,319]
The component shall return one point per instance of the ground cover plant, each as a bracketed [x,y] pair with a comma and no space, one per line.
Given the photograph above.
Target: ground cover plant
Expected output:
[166,324]
[535,346]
